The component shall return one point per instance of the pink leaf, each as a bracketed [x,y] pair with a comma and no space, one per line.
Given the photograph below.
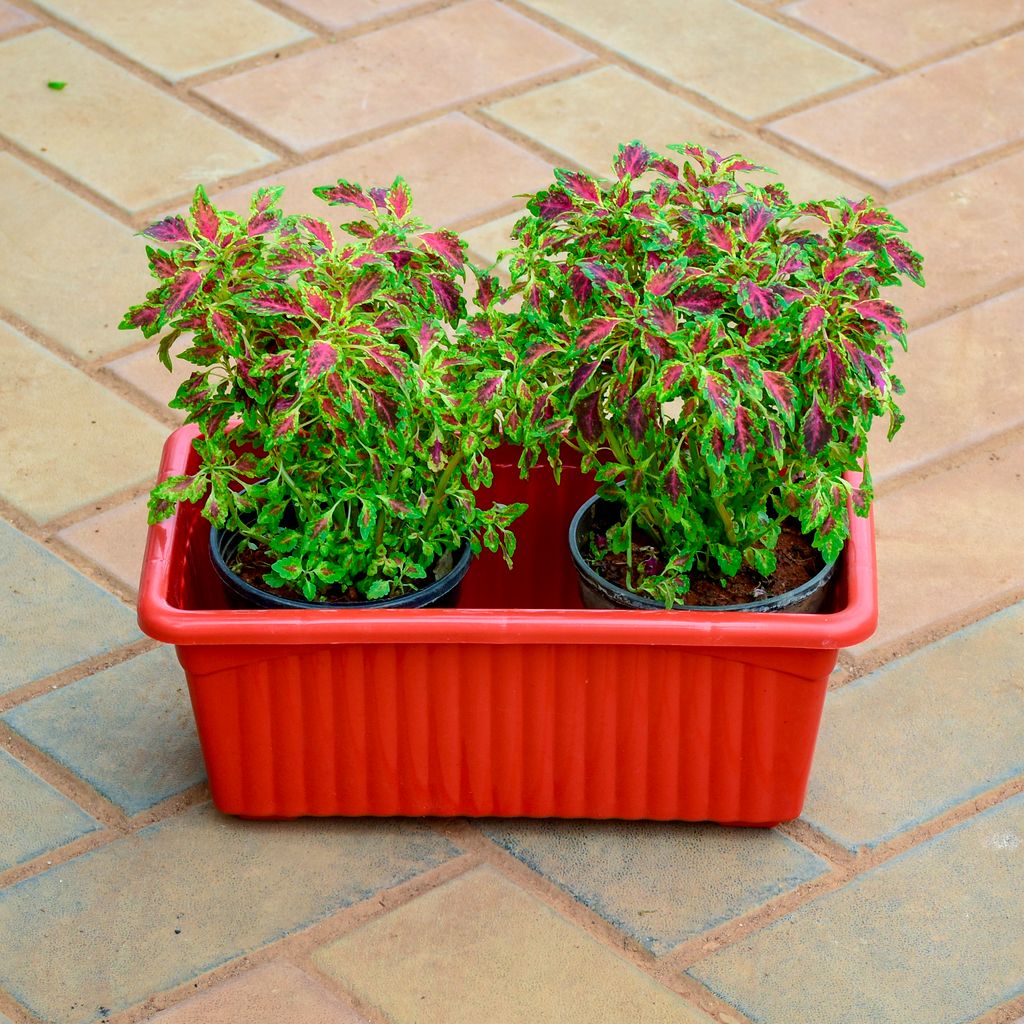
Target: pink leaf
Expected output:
[534,352]
[739,368]
[446,244]
[487,390]
[588,416]
[666,167]
[904,259]
[447,294]
[321,358]
[720,237]
[399,198]
[581,185]
[274,302]
[170,229]
[813,319]
[362,290]
[286,426]
[837,267]
[553,204]
[663,281]
[671,375]
[757,301]
[718,192]
[742,437]
[318,303]
[703,299]
[583,373]
[222,326]
[780,389]
[717,392]
[658,346]
[181,289]
[383,361]
[580,286]
[386,243]
[142,316]
[831,372]
[664,319]
[204,216]
[755,219]
[344,194]
[161,263]
[632,160]
[637,420]
[319,230]
[261,224]
[884,313]
[594,331]
[817,430]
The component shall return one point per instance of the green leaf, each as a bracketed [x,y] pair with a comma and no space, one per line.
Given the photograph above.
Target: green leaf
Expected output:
[287,568]
[56,86]
[378,589]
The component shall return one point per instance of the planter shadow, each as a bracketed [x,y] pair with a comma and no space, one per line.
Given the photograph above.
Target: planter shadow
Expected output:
[519,702]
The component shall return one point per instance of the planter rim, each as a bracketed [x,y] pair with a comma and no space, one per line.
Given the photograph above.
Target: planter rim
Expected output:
[159,618]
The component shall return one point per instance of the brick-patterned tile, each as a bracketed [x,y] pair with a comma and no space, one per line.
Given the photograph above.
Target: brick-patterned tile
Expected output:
[947,543]
[342,14]
[585,118]
[34,817]
[272,994]
[901,32]
[12,18]
[114,539]
[962,382]
[923,121]
[951,908]
[704,875]
[143,370]
[458,170]
[720,49]
[126,139]
[142,701]
[963,695]
[970,230]
[66,440]
[480,949]
[166,904]
[184,38]
[101,263]
[51,617]
[396,72]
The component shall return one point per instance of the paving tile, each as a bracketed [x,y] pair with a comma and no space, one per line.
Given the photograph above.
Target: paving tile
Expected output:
[660,883]
[480,949]
[115,540]
[273,994]
[728,53]
[144,371]
[962,382]
[34,817]
[901,32]
[585,118]
[203,890]
[409,68]
[963,696]
[144,703]
[126,139]
[67,440]
[341,14]
[100,263]
[947,543]
[487,240]
[933,935]
[949,111]
[11,18]
[39,591]
[458,170]
[184,38]
[970,230]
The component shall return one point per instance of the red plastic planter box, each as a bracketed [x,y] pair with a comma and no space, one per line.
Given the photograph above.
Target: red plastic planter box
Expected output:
[517,703]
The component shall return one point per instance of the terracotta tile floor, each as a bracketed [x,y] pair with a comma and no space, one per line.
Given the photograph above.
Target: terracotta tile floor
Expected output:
[124,897]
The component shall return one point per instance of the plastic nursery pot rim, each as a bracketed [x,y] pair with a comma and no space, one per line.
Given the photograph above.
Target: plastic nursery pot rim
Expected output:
[429,594]
[635,602]
[163,617]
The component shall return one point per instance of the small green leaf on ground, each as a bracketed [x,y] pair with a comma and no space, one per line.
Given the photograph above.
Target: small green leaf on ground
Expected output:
[56,85]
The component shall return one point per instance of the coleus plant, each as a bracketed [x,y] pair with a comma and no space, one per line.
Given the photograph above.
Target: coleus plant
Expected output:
[716,351]
[344,423]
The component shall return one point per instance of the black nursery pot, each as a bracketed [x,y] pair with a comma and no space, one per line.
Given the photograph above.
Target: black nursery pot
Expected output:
[597,592]
[441,593]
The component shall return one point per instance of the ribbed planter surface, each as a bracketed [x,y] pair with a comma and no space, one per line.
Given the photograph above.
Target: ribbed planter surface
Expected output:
[517,703]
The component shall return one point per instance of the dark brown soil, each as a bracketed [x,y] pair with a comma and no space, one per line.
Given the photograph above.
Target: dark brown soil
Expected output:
[797,563]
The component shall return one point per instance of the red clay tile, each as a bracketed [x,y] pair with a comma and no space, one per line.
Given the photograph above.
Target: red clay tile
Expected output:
[923,121]
[382,77]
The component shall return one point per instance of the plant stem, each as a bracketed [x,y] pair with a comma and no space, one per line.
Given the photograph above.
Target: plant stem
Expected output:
[439,492]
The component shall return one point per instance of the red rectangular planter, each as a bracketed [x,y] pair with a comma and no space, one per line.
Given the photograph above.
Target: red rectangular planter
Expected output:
[517,703]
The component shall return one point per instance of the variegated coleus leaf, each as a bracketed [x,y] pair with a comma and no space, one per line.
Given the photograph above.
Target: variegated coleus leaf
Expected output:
[344,193]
